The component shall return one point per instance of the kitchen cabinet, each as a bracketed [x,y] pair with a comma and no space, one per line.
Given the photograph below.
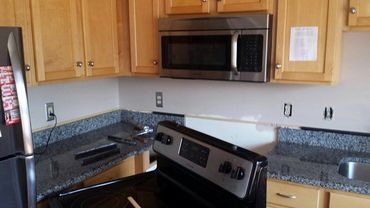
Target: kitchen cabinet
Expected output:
[342,200]
[215,6]
[308,41]
[17,13]
[282,194]
[144,38]
[130,166]
[359,13]
[242,5]
[74,38]
[187,6]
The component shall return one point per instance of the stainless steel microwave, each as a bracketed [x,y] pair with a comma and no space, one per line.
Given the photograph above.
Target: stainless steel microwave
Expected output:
[221,48]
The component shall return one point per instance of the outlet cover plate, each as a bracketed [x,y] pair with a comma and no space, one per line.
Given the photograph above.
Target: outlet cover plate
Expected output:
[49,108]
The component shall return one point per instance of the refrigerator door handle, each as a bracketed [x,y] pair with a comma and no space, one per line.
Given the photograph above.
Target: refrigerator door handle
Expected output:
[20,84]
[31,182]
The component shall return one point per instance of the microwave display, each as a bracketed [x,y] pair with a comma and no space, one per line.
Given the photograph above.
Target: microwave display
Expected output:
[196,52]
[250,53]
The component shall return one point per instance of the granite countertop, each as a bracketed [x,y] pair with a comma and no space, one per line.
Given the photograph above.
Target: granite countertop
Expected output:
[316,166]
[57,169]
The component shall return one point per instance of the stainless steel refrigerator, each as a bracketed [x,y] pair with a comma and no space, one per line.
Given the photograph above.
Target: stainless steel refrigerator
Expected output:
[17,167]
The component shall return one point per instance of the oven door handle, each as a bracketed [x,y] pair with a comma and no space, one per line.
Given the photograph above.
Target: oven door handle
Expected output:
[234,53]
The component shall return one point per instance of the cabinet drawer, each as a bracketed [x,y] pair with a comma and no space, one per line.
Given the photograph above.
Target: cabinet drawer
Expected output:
[292,195]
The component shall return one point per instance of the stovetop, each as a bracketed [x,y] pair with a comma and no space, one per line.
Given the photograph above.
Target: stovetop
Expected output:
[144,189]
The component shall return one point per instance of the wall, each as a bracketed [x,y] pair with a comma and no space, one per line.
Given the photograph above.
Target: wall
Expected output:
[72,100]
[263,103]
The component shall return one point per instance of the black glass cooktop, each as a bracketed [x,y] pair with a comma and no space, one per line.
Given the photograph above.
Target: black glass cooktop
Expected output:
[144,189]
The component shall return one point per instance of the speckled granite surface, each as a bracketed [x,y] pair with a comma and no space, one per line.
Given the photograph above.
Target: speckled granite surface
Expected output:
[312,158]
[76,128]
[57,169]
[89,124]
[150,119]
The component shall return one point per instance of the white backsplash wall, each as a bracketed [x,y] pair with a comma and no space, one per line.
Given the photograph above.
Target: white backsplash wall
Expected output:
[256,137]
[263,103]
[73,100]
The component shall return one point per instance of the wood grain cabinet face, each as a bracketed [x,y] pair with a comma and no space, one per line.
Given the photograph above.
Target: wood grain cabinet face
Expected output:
[308,41]
[345,201]
[144,38]
[74,38]
[359,13]
[18,13]
[281,195]
[242,5]
[58,39]
[187,6]
[100,35]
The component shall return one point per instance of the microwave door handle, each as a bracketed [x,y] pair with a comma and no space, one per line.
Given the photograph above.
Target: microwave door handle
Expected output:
[234,53]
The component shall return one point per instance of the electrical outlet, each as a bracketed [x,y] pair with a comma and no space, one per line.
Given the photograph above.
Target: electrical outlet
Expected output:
[49,109]
[328,113]
[288,110]
[159,99]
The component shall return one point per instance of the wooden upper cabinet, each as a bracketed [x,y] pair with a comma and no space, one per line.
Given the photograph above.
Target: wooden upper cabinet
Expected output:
[308,41]
[100,36]
[359,13]
[187,6]
[242,5]
[17,13]
[144,38]
[58,39]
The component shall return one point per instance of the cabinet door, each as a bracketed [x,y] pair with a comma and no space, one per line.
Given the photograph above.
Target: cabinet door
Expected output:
[58,39]
[187,6]
[345,201]
[18,13]
[144,36]
[242,5]
[288,195]
[100,37]
[308,41]
[359,13]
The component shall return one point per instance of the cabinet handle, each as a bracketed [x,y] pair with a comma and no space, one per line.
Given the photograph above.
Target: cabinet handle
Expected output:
[278,66]
[353,10]
[79,63]
[91,63]
[155,62]
[286,196]
[28,67]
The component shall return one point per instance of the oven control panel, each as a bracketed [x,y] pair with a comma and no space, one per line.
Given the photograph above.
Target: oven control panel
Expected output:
[218,166]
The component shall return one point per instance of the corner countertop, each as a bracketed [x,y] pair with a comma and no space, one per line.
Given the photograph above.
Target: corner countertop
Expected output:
[57,169]
[316,166]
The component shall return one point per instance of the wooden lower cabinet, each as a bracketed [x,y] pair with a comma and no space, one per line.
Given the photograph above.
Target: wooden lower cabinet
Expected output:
[345,200]
[282,194]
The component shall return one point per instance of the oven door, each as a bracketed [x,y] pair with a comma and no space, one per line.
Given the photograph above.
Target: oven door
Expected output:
[199,54]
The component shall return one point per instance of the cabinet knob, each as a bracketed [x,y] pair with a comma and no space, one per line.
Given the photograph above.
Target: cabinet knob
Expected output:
[27,67]
[155,62]
[353,10]
[204,1]
[79,63]
[278,66]
[91,63]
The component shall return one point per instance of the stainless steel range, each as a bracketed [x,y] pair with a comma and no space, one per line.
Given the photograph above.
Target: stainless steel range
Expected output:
[194,170]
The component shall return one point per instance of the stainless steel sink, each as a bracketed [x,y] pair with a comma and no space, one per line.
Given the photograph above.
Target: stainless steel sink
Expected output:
[355,170]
